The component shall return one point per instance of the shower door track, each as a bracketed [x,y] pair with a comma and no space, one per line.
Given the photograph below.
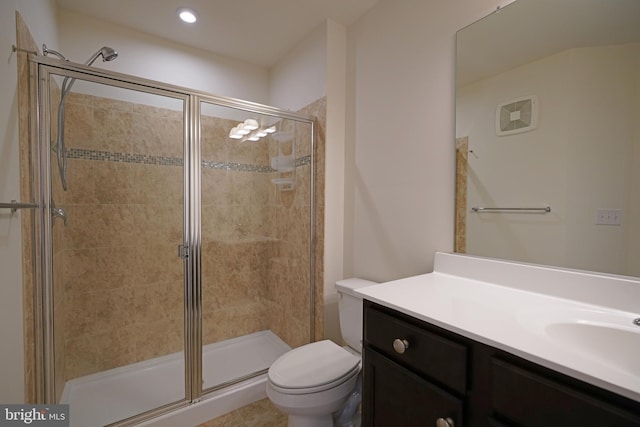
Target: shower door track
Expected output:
[42,68]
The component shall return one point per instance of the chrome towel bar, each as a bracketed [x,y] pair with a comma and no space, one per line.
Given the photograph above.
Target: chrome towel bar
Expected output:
[14,206]
[546,209]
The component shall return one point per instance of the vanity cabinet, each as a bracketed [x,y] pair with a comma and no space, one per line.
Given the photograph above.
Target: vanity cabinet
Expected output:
[404,367]
[417,374]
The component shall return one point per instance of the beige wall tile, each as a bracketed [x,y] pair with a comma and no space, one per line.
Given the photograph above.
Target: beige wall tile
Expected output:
[114,183]
[216,187]
[112,130]
[158,185]
[214,137]
[158,134]
[78,131]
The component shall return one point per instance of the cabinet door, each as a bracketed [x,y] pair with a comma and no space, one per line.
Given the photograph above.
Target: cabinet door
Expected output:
[394,396]
[530,400]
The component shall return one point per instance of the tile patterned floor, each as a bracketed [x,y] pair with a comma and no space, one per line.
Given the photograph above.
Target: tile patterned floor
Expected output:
[259,414]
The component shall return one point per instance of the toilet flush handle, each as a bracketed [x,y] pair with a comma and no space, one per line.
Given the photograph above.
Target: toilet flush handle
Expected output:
[400,345]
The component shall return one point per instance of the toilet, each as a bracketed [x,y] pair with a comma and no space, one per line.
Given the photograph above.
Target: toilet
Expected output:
[312,382]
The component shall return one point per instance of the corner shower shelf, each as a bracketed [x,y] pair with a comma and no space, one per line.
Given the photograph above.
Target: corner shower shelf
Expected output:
[283,163]
[284,184]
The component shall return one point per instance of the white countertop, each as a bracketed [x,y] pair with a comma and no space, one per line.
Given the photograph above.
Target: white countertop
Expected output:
[541,327]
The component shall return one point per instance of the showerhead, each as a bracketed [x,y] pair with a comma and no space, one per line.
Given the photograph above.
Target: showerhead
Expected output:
[107,53]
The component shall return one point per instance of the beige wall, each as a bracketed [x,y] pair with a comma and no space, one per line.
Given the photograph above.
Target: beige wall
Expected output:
[334,190]
[400,135]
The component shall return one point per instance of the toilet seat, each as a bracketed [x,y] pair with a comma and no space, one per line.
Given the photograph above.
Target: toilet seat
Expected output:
[315,390]
[313,368]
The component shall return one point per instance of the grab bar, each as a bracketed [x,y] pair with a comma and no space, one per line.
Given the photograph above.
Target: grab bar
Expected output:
[14,206]
[546,209]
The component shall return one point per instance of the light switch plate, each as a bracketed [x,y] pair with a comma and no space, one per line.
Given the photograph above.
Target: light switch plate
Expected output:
[609,217]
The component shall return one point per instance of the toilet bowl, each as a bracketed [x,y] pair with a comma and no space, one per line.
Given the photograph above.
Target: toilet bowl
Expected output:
[312,382]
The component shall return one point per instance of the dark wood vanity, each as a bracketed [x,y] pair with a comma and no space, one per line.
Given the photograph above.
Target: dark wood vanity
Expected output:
[418,374]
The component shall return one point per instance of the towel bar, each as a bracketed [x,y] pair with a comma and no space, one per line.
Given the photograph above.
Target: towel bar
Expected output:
[481,209]
[14,206]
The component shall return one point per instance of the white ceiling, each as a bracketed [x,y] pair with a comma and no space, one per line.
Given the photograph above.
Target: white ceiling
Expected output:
[525,31]
[256,31]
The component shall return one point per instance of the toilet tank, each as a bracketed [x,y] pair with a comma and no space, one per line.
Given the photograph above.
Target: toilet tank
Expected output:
[350,311]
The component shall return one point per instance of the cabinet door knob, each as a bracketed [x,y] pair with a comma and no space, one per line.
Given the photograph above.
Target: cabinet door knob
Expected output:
[400,346]
[445,422]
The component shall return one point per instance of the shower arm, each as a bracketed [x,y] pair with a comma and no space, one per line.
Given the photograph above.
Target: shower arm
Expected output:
[108,54]
[46,51]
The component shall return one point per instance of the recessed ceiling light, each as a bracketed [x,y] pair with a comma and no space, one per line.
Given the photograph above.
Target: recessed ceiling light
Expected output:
[187,15]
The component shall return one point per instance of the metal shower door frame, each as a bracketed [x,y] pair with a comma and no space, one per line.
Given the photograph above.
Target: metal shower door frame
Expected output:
[44,302]
[41,70]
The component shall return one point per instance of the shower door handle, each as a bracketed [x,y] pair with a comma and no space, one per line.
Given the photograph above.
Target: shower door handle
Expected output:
[59,213]
[183,251]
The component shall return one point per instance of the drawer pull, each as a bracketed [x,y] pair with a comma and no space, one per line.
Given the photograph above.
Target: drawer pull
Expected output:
[400,346]
[445,422]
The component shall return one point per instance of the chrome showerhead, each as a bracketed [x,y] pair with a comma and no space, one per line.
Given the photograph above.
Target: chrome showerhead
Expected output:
[107,53]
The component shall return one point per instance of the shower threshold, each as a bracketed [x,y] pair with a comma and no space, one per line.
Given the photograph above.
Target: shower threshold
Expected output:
[110,396]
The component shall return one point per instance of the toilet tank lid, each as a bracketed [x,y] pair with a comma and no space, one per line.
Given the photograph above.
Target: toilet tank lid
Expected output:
[348,285]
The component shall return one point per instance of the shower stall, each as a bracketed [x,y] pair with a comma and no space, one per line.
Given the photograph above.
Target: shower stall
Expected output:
[179,260]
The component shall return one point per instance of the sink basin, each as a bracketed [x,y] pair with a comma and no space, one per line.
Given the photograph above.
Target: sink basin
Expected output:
[611,345]
[611,337]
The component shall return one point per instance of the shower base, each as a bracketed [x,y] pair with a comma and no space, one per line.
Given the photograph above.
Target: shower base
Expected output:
[110,396]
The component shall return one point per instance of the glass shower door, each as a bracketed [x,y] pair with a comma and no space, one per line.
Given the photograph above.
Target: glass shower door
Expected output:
[255,185]
[118,283]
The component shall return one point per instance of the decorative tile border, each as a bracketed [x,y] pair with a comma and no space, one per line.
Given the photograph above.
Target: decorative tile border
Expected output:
[304,160]
[107,156]
[208,164]
[145,159]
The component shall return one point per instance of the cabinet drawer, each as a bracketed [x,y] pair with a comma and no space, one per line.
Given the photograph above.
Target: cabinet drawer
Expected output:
[429,354]
[531,400]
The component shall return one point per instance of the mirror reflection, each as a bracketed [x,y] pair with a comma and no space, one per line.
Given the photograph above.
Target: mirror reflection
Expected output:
[548,135]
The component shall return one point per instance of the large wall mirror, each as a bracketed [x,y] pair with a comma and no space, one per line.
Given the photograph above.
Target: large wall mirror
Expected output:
[548,135]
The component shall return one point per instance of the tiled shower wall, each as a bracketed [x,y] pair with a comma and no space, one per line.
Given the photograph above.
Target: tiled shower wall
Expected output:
[122,284]
[122,280]
[25,41]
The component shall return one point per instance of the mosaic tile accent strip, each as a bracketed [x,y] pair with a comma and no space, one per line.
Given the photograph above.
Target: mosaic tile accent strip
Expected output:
[145,159]
[107,156]
[208,164]
[304,160]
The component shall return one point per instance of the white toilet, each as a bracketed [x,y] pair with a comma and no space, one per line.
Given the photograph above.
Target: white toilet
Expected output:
[312,382]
